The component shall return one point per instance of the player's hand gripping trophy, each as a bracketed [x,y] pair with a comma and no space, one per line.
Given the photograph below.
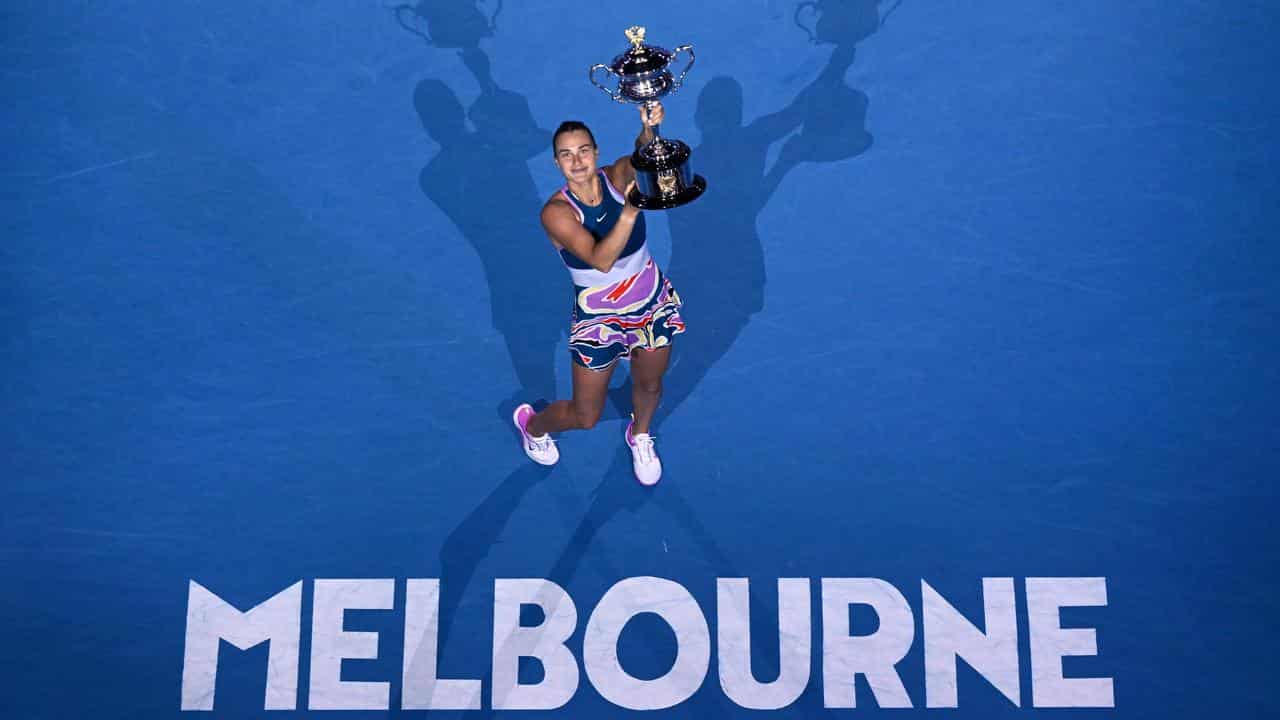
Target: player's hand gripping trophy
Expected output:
[663,177]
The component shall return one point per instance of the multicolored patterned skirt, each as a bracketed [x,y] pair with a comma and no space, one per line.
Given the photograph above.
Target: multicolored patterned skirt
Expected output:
[642,311]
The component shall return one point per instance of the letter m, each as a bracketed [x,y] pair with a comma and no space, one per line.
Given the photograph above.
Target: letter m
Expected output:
[210,619]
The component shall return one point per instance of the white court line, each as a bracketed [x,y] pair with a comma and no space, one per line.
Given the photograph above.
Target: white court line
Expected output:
[95,168]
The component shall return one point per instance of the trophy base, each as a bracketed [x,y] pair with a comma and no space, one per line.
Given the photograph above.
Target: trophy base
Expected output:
[666,202]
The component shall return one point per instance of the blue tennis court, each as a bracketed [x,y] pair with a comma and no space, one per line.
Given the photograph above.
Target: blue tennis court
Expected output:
[973,418]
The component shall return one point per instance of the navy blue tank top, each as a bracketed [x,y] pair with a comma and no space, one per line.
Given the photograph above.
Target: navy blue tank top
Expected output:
[600,219]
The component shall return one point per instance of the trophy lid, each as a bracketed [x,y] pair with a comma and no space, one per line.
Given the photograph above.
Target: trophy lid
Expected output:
[640,58]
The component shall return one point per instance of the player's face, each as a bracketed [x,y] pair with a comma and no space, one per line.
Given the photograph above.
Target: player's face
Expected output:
[576,155]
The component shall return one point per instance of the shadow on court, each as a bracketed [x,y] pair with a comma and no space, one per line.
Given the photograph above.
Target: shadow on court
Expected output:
[717,256]
[480,179]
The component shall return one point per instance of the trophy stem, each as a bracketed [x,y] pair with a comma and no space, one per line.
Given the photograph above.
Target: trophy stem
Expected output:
[648,108]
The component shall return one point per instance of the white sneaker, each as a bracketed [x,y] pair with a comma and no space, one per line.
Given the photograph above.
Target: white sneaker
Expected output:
[644,457]
[542,449]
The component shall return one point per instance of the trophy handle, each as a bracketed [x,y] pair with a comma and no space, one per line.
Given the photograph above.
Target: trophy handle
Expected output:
[592,75]
[687,68]
[800,9]
[400,10]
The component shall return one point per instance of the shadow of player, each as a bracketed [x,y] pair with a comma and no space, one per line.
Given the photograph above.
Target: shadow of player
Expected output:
[480,179]
[717,257]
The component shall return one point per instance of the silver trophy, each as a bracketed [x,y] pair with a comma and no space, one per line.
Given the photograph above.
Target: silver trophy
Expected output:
[663,177]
